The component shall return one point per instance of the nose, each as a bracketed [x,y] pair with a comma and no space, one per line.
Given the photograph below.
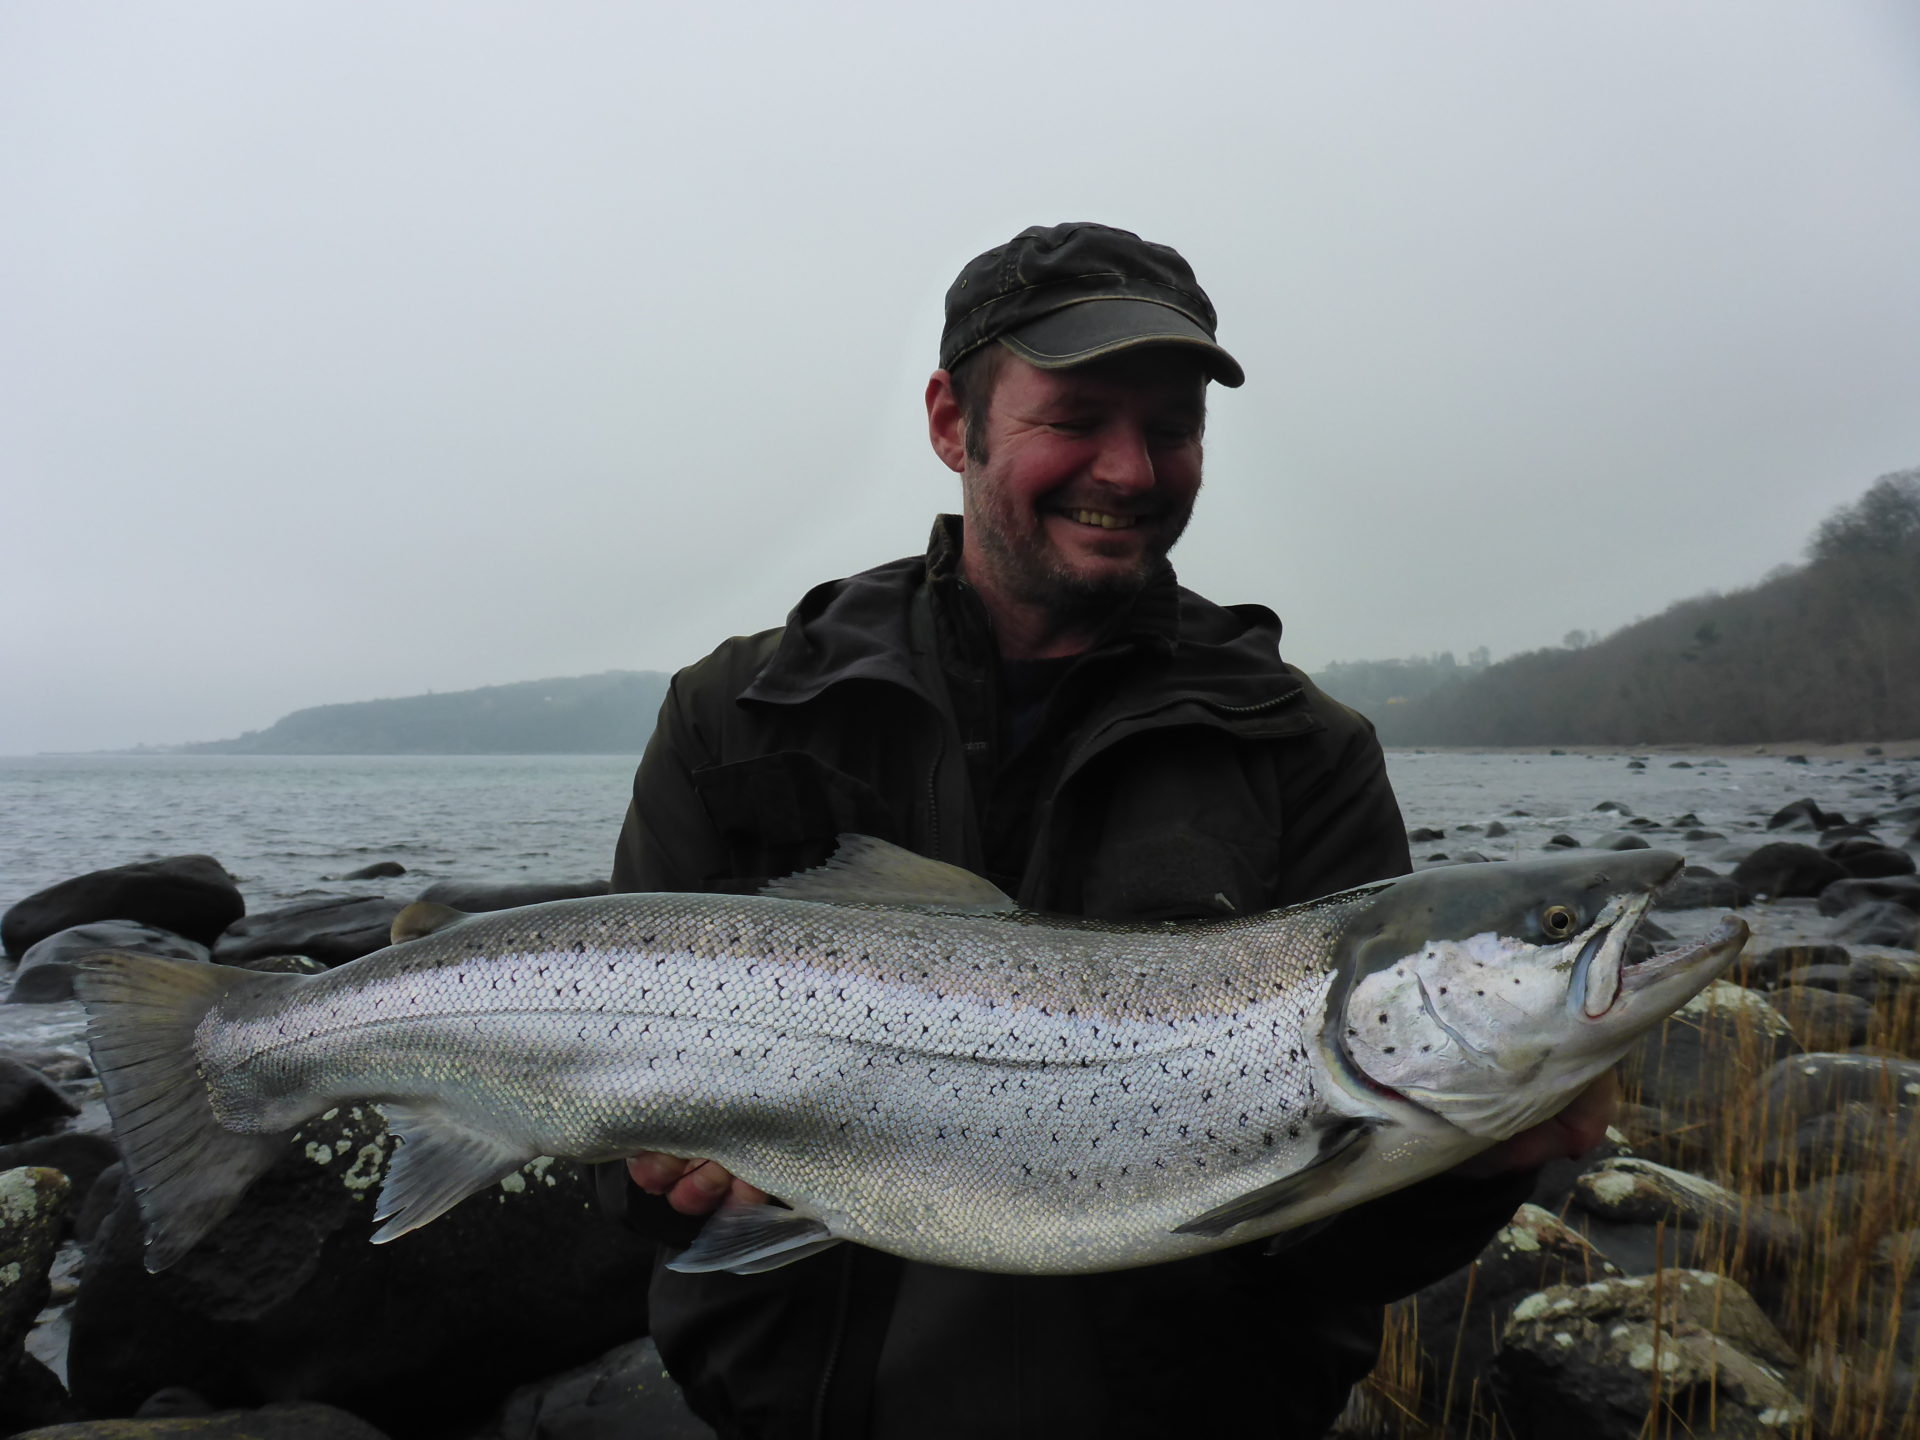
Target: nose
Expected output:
[1125,461]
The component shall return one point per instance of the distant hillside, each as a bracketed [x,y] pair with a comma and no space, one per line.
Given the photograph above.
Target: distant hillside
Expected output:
[1829,650]
[609,714]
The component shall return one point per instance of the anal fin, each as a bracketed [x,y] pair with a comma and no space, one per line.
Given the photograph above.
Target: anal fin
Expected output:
[1340,1146]
[438,1163]
[747,1239]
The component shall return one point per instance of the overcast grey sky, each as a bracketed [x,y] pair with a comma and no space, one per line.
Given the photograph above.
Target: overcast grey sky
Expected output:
[350,351]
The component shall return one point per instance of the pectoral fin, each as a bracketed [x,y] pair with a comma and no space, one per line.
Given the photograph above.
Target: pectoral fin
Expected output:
[1340,1146]
[746,1239]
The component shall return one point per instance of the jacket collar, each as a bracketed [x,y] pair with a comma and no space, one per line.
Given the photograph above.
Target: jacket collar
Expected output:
[882,625]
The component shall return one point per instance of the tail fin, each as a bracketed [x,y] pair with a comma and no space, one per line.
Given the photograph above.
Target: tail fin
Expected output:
[187,1170]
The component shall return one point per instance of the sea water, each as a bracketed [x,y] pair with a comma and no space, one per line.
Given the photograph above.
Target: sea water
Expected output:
[288,827]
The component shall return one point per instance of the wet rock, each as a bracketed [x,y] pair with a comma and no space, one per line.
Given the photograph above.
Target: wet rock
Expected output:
[1784,868]
[1836,978]
[1622,840]
[1802,815]
[475,896]
[79,1156]
[31,1396]
[1844,894]
[190,895]
[1697,1059]
[1696,835]
[1698,888]
[1628,1190]
[1818,1083]
[1612,807]
[287,1299]
[624,1393]
[1459,1319]
[333,930]
[1824,1019]
[1769,969]
[1650,1131]
[286,1421]
[1497,829]
[1867,856]
[1580,1362]
[1879,922]
[379,870]
[1561,842]
[46,970]
[1855,1138]
[29,1102]
[1423,835]
[32,1205]
[1681,765]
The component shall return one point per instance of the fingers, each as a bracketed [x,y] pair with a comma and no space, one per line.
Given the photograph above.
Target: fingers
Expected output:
[693,1187]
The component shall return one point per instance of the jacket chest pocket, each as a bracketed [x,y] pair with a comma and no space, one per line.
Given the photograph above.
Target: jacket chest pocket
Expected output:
[780,813]
[1175,826]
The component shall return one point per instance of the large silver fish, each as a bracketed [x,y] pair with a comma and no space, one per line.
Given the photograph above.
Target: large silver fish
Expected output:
[909,1061]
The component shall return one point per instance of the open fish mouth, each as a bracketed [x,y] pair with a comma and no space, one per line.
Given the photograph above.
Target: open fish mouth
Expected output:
[1717,949]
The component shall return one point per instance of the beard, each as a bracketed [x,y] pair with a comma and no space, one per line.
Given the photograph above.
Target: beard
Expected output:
[1025,565]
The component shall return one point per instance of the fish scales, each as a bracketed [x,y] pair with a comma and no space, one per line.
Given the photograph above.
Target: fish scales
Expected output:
[909,1061]
[975,1069]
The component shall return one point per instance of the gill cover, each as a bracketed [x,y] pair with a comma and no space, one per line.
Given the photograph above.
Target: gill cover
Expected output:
[1477,992]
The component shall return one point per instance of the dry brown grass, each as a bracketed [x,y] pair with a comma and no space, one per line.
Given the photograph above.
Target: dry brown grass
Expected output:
[1836,1289]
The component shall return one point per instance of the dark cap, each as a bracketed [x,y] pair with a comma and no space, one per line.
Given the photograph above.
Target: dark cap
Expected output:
[1060,295]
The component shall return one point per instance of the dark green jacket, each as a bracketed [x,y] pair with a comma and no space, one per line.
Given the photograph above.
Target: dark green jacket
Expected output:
[1181,770]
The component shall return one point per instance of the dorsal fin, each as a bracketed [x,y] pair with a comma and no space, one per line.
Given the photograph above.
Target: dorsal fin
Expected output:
[423,917]
[866,871]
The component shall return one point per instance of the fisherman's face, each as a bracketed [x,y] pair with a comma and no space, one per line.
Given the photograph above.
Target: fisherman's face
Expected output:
[1090,477]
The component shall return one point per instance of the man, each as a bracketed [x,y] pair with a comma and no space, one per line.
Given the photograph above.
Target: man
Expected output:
[1037,700]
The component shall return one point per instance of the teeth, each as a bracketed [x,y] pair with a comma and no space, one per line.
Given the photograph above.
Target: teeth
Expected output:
[1104,520]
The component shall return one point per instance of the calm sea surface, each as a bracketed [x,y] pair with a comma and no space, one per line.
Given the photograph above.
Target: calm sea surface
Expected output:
[285,825]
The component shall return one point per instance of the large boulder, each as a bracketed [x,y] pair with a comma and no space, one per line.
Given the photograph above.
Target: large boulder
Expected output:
[1879,922]
[33,1206]
[296,1421]
[474,896]
[1700,1060]
[625,1394]
[1457,1321]
[191,895]
[30,1103]
[1698,888]
[1868,859]
[1843,895]
[1785,869]
[1823,1019]
[1585,1362]
[332,930]
[45,975]
[1802,815]
[286,1299]
[80,1156]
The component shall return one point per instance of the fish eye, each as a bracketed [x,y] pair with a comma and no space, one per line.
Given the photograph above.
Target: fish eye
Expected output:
[1558,921]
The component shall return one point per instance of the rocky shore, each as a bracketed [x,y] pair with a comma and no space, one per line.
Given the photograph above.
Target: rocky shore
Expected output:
[1738,1260]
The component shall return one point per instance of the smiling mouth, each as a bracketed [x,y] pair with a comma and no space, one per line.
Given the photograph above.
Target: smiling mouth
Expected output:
[1102,519]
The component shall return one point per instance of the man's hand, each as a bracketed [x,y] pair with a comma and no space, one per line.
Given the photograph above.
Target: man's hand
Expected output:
[693,1187]
[1570,1134]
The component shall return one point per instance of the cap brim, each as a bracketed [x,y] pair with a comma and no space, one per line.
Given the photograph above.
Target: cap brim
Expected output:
[1092,329]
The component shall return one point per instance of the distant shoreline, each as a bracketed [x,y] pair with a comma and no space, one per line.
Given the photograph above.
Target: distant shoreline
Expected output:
[1812,749]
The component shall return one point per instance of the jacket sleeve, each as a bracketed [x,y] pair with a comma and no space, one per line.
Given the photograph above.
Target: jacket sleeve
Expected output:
[668,842]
